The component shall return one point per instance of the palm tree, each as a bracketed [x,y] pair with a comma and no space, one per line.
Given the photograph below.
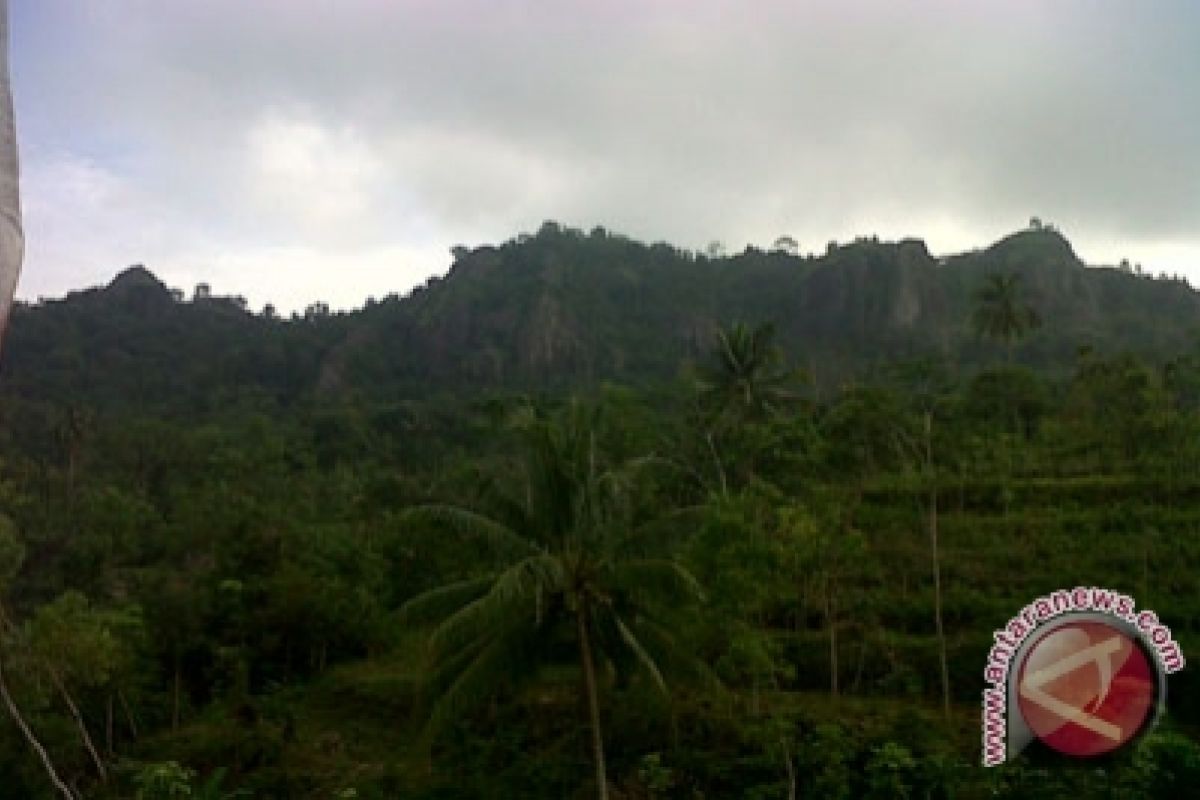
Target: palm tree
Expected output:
[746,379]
[1000,312]
[572,566]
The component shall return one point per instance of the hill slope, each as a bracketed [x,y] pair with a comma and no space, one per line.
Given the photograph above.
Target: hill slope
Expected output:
[566,308]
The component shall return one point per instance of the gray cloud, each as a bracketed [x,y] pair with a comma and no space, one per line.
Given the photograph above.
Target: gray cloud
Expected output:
[301,149]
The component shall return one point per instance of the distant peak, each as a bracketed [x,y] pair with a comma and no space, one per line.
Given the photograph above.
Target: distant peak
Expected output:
[138,285]
[1044,241]
[136,275]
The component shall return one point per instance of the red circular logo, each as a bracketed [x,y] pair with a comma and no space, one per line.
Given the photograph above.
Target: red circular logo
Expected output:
[1086,688]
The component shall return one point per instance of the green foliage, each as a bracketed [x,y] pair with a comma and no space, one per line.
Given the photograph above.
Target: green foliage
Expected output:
[273,551]
[747,381]
[170,781]
[165,781]
[76,639]
[571,552]
[890,771]
[566,309]
[12,552]
[1001,313]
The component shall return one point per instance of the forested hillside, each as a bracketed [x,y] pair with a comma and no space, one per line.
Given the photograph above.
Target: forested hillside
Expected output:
[563,309]
[588,515]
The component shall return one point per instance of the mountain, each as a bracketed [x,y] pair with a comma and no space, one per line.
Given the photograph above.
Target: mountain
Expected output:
[564,308]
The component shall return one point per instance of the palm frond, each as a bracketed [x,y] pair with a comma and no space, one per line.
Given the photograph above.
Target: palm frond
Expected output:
[478,680]
[438,603]
[658,535]
[523,580]
[503,507]
[673,658]
[513,595]
[661,580]
[643,656]
[468,624]
[470,523]
[444,667]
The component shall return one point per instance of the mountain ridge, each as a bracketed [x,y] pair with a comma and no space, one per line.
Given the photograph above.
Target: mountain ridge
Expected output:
[565,308]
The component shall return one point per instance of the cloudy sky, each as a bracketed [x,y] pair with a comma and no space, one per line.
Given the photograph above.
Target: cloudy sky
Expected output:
[296,150]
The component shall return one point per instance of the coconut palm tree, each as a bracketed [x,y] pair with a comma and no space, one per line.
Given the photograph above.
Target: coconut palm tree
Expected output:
[1001,314]
[572,566]
[745,382]
[746,378]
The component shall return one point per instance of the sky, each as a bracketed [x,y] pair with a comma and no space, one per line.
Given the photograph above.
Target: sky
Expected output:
[300,150]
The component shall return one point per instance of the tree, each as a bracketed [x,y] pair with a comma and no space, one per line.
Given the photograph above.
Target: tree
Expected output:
[12,553]
[1001,313]
[746,378]
[786,244]
[1011,399]
[1005,405]
[927,385]
[827,552]
[863,434]
[572,563]
[1111,404]
[745,382]
[72,646]
[72,432]
[316,311]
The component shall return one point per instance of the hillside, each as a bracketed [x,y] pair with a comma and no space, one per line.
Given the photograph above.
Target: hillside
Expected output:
[222,570]
[564,308]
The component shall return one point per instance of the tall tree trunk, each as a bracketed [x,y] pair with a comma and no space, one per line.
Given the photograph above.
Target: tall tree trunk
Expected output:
[858,669]
[110,723]
[937,599]
[831,623]
[937,568]
[175,692]
[37,747]
[133,730]
[712,449]
[84,734]
[593,700]
[791,769]
[70,474]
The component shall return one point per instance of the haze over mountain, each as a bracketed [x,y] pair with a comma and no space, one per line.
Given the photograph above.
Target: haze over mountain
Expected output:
[565,307]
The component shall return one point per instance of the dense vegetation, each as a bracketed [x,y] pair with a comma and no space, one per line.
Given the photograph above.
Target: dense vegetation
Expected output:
[557,525]
[567,310]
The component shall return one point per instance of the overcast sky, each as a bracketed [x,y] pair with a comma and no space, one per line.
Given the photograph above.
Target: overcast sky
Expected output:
[300,150]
